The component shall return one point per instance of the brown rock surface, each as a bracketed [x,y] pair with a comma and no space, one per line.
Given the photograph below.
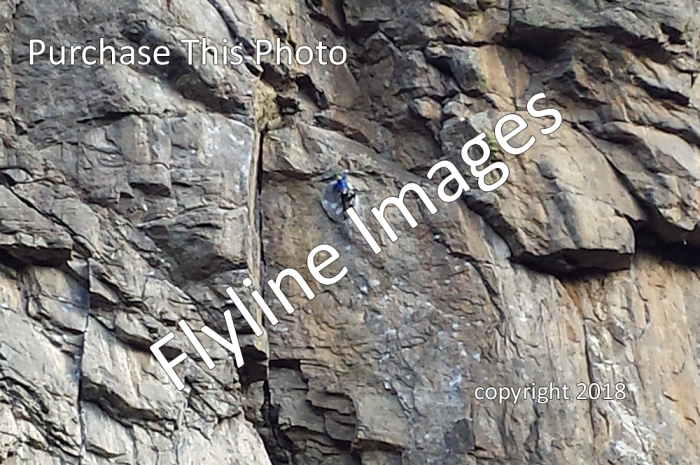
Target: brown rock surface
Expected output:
[131,197]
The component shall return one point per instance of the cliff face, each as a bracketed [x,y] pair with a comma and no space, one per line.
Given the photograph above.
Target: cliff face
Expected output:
[132,197]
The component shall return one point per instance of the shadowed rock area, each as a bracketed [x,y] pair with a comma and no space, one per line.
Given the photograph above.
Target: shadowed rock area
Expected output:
[131,197]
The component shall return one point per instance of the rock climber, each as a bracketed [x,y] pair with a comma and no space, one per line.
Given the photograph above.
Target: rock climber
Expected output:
[345,189]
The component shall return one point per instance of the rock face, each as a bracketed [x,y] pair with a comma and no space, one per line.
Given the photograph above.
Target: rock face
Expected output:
[131,197]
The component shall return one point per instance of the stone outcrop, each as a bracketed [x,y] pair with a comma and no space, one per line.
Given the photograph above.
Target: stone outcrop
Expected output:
[131,197]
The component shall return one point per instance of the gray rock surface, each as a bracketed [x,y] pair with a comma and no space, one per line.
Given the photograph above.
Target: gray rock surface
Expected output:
[132,197]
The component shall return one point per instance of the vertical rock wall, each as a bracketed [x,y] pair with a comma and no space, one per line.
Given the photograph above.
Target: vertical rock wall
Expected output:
[131,197]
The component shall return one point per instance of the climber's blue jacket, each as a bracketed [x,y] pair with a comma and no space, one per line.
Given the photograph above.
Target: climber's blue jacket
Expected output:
[341,185]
